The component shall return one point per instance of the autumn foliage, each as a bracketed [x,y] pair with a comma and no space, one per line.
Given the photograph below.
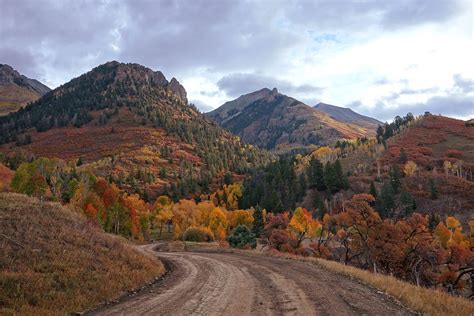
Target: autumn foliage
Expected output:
[406,248]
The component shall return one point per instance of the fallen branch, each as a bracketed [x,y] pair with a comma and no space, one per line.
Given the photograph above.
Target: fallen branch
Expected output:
[12,240]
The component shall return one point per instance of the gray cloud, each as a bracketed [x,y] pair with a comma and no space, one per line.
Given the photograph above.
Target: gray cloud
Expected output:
[462,84]
[457,105]
[203,107]
[241,83]
[70,37]
[366,15]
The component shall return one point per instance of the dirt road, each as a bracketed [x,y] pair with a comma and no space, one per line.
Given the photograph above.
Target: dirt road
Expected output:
[202,283]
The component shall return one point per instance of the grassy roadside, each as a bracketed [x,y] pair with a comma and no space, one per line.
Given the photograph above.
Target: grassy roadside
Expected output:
[422,300]
[53,261]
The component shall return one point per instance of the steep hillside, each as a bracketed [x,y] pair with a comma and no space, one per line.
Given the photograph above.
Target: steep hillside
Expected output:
[348,116]
[443,150]
[135,126]
[274,121]
[17,90]
[53,261]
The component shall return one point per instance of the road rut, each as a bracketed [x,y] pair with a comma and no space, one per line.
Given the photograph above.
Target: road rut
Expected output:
[209,283]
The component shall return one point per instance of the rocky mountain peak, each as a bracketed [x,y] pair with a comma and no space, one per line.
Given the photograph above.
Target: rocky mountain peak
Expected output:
[8,75]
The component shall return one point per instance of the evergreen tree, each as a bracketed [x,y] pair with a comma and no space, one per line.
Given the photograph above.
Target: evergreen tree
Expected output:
[258,221]
[373,190]
[406,203]
[385,204]
[301,186]
[433,220]
[340,178]
[228,178]
[380,134]
[330,178]
[395,178]
[316,174]
[433,189]
[403,156]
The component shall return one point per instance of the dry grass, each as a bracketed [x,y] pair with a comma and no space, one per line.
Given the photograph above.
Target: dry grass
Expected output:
[52,261]
[419,299]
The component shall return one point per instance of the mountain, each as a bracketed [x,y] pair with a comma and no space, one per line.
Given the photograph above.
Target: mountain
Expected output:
[349,116]
[276,122]
[17,90]
[130,124]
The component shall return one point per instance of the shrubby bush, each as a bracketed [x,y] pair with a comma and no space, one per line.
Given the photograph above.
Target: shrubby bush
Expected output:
[198,234]
[242,237]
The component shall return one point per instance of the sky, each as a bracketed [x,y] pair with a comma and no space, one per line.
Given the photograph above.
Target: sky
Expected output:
[380,58]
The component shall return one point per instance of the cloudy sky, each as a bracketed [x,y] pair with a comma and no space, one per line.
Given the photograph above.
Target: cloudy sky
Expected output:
[381,58]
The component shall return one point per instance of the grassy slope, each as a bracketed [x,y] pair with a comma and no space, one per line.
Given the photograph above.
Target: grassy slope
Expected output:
[52,261]
[12,97]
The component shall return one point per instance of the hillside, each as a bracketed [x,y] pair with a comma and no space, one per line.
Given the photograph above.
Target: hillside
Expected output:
[135,126]
[443,151]
[53,261]
[17,90]
[276,122]
[349,116]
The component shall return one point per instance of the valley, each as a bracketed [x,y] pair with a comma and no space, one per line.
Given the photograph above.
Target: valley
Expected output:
[207,157]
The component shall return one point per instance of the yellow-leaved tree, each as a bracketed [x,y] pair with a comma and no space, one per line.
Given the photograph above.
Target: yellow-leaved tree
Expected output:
[303,225]
[218,223]
[410,168]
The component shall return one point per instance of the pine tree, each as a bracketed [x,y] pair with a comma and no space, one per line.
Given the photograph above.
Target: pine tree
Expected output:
[406,203]
[316,174]
[385,204]
[433,189]
[302,187]
[403,156]
[373,190]
[395,178]
[258,222]
[330,178]
[340,181]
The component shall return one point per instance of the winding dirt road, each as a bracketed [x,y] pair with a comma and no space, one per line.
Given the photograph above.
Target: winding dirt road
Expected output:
[206,283]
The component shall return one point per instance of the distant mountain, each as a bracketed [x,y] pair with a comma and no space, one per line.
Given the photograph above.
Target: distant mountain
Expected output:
[17,90]
[276,122]
[348,116]
[137,128]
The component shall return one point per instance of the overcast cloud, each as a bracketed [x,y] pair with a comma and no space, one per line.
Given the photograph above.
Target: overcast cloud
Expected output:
[382,57]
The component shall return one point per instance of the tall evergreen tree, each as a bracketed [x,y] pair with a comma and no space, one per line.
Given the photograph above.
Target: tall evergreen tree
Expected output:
[316,174]
[395,178]
[340,178]
[385,204]
[330,178]
[373,190]
[258,221]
